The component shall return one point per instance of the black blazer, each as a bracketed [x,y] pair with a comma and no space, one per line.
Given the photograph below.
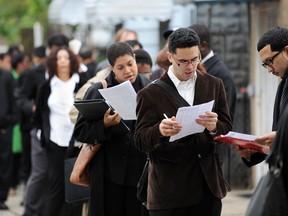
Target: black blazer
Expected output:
[258,157]
[217,68]
[26,94]
[8,112]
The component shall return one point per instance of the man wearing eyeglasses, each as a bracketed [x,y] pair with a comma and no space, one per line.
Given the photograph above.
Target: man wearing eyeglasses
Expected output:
[184,176]
[273,51]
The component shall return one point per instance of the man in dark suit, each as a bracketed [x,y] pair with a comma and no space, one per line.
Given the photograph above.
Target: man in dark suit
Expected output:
[184,176]
[273,51]
[8,118]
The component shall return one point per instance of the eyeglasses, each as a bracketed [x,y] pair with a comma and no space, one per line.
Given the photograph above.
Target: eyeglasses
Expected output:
[184,63]
[269,61]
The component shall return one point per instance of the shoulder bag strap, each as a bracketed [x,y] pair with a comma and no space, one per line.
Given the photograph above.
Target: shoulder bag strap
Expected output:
[104,83]
[172,92]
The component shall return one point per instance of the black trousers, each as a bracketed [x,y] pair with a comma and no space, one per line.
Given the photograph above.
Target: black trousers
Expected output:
[121,201]
[208,206]
[26,154]
[56,203]
[5,162]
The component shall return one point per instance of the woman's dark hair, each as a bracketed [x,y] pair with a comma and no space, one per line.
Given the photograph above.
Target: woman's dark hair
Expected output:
[277,37]
[52,62]
[117,50]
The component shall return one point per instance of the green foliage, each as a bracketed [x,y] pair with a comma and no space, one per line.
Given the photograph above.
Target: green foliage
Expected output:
[18,14]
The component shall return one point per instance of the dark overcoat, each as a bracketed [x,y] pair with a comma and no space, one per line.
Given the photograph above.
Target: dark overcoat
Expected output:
[118,160]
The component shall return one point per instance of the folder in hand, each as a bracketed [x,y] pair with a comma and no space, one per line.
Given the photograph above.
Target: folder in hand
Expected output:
[242,142]
[94,110]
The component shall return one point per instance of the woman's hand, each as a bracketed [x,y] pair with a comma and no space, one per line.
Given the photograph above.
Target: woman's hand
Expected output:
[111,119]
[169,127]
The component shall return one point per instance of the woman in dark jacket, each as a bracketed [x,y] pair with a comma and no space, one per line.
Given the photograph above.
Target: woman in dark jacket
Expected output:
[117,166]
[55,99]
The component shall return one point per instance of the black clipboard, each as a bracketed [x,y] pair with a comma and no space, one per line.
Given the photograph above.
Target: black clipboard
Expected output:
[94,110]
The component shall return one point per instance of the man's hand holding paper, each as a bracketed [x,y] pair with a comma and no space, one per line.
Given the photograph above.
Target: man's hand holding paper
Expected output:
[190,120]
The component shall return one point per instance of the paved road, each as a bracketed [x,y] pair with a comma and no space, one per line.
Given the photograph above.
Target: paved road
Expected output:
[234,204]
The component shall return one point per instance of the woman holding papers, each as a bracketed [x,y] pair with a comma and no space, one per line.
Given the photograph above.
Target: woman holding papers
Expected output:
[117,166]
[55,98]
[184,176]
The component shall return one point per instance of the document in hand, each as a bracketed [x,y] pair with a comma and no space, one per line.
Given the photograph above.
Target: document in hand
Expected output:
[186,116]
[122,98]
[243,141]
[94,110]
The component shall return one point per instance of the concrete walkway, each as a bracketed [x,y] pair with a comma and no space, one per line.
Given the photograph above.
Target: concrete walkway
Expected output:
[234,204]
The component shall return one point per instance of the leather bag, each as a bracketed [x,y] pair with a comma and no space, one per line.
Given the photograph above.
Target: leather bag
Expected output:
[74,193]
[81,173]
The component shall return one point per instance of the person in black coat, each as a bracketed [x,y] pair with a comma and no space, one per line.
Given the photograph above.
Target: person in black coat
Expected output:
[273,51]
[8,117]
[117,166]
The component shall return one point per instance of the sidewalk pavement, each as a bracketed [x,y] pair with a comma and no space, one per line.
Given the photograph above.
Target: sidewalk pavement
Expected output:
[234,204]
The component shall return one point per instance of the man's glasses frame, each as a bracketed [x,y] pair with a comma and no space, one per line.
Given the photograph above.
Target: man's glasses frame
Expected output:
[269,61]
[184,63]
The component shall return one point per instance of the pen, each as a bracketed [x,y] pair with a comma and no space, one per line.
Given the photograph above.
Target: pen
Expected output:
[172,126]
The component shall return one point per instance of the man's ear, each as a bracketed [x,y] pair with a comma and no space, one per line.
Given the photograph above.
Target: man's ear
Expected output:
[169,56]
[110,67]
[285,53]
[203,45]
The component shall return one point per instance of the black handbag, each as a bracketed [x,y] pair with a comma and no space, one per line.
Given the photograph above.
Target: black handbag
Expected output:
[270,196]
[143,184]
[74,193]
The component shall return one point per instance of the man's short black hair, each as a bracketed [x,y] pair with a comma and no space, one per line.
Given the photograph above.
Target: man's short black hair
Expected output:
[183,38]
[59,40]
[85,53]
[277,37]
[16,59]
[40,51]
[143,57]
[202,31]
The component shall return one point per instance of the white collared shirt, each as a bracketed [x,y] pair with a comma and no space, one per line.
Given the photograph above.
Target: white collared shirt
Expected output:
[185,88]
[60,102]
[210,54]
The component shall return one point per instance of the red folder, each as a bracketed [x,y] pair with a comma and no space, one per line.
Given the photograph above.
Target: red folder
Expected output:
[243,143]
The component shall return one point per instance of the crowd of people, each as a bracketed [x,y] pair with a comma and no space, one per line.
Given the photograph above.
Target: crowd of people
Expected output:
[39,124]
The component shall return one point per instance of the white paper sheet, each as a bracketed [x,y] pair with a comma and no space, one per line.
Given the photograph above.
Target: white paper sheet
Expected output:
[122,98]
[186,116]
[241,136]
